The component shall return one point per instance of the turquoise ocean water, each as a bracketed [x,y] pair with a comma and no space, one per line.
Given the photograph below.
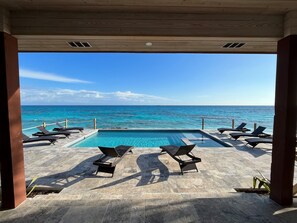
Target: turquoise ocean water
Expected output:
[178,117]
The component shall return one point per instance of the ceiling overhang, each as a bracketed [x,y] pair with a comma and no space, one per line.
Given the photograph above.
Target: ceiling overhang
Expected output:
[126,26]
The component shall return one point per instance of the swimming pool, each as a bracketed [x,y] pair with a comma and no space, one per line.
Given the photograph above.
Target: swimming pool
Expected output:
[143,138]
[207,142]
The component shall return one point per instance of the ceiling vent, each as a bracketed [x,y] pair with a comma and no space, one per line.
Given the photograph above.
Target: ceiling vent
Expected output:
[78,44]
[233,45]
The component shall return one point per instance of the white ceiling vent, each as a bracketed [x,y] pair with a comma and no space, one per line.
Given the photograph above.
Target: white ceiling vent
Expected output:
[78,44]
[233,45]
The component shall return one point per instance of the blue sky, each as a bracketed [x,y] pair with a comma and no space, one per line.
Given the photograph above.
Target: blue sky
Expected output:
[147,79]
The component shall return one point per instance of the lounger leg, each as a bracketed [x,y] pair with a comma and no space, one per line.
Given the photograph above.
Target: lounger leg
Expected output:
[181,170]
[190,166]
[105,169]
[97,171]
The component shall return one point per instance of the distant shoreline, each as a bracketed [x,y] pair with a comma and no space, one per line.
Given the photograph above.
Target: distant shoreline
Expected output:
[158,105]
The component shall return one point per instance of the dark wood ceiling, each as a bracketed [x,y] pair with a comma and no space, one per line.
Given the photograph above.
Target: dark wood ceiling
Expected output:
[127,25]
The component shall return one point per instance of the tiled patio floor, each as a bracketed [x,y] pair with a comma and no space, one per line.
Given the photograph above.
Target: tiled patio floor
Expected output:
[147,187]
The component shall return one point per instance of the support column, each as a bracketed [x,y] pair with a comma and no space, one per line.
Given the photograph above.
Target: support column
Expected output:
[11,147]
[284,132]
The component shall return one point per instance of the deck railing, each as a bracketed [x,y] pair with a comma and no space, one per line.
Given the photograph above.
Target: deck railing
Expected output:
[93,123]
[232,123]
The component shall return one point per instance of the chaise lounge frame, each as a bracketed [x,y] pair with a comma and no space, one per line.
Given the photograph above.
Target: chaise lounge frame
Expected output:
[61,128]
[27,139]
[239,128]
[111,157]
[177,151]
[256,133]
[44,132]
[255,141]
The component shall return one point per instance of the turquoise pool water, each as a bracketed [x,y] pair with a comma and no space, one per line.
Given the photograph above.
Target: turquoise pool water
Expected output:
[207,142]
[140,138]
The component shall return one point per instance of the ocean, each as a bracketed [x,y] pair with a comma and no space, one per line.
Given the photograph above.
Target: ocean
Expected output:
[177,117]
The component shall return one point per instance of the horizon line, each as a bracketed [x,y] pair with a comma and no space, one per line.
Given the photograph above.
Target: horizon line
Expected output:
[138,105]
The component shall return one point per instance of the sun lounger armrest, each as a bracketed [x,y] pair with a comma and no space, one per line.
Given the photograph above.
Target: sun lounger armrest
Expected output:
[194,157]
[102,160]
[107,161]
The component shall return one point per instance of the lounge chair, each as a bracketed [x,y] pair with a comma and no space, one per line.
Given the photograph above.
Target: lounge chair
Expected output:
[239,128]
[61,128]
[177,151]
[110,158]
[257,133]
[44,132]
[51,139]
[255,141]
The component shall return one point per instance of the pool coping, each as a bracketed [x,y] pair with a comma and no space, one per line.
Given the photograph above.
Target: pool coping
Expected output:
[187,141]
[217,139]
[79,139]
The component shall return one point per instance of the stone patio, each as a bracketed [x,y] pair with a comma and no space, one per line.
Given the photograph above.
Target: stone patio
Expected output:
[147,186]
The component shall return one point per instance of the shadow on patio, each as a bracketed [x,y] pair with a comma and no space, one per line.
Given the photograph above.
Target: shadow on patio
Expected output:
[152,170]
[227,208]
[240,145]
[84,169]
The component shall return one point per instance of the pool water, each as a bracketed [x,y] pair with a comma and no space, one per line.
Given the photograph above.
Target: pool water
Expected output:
[139,138]
[206,142]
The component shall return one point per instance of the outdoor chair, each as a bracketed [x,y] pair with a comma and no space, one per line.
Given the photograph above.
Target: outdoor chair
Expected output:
[27,139]
[239,128]
[181,154]
[255,141]
[62,128]
[44,132]
[111,157]
[258,132]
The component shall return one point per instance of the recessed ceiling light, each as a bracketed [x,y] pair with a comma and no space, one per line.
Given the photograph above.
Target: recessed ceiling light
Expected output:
[148,44]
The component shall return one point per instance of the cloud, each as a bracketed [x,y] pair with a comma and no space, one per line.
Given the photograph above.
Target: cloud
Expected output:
[130,96]
[86,97]
[49,76]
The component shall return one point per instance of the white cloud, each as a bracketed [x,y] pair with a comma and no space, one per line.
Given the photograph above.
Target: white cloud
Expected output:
[49,76]
[86,97]
[130,96]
